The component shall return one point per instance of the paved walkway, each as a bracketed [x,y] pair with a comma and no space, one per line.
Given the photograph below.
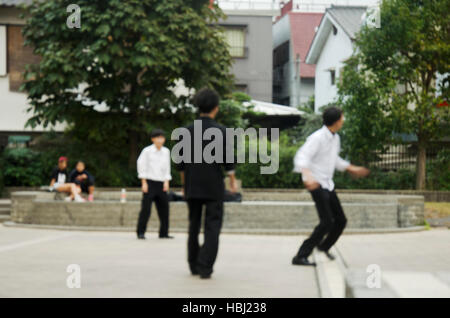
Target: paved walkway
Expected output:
[416,251]
[411,264]
[34,262]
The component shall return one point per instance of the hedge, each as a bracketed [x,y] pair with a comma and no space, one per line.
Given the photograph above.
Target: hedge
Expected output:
[29,167]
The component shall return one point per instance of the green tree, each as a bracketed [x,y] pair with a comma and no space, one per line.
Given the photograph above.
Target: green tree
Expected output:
[127,56]
[232,111]
[310,122]
[364,102]
[398,66]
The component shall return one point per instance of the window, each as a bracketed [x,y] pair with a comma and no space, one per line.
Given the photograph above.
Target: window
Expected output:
[235,37]
[333,76]
[241,88]
[18,56]
[3,46]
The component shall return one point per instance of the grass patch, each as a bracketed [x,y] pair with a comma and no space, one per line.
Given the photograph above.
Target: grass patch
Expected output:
[437,209]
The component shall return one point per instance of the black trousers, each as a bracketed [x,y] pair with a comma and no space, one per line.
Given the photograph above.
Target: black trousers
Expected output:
[84,185]
[332,222]
[203,258]
[155,193]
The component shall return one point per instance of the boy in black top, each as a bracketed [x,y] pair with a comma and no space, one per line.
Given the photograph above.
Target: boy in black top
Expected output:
[83,179]
[204,186]
[59,181]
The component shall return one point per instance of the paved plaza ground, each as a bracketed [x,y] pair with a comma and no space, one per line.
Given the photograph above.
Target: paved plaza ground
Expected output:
[33,263]
[416,251]
[411,264]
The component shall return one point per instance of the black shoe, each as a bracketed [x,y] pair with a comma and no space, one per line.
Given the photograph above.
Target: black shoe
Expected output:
[166,237]
[205,276]
[194,270]
[204,273]
[302,261]
[330,256]
[141,237]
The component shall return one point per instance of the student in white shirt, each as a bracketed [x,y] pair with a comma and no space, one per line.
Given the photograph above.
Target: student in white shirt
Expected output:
[316,160]
[153,166]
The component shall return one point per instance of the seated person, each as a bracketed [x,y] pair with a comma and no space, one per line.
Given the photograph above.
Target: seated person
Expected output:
[58,182]
[83,179]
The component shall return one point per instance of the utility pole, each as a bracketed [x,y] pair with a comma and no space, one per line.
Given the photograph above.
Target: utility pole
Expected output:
[297,81]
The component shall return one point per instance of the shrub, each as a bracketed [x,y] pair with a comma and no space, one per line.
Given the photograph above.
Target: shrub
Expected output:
[285,178]
[381,180]
[2,171]
[251,176]
[22,167]
[439,171]
[32,167]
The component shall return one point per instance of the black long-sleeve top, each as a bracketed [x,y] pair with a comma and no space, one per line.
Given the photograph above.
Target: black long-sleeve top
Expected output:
[205,180]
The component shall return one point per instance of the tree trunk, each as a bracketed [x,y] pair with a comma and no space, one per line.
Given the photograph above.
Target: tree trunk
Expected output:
[133,151]
[421,166]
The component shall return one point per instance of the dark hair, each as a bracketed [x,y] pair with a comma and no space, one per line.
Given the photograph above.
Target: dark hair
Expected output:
[331,115]
[206,100]
[157,133]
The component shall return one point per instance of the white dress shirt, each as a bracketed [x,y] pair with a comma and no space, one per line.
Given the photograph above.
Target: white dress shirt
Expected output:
[320,154]
[154,164]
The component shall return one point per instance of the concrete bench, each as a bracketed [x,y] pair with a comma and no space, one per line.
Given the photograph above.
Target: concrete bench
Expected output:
[362,211]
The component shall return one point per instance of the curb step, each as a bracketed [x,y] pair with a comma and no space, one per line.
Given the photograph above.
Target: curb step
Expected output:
[330,275]
[4,218]
[6,202]
[5,211]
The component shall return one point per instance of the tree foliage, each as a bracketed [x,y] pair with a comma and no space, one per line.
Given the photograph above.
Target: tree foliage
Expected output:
[127,57]
[365,103]
[390,84]
[310,122]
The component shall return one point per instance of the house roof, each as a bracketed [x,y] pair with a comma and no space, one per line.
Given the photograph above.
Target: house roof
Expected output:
[303,28]
[273,109]
[348,18]
[12,3]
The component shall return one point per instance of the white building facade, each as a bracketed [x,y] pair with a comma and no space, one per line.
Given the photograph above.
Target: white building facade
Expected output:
[331,47]
[13,57]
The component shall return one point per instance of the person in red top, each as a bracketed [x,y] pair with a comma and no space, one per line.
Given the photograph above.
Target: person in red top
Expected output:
[59,181]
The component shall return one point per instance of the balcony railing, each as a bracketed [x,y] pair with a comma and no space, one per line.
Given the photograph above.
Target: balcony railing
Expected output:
[248,5]
[298,5]
[322,5]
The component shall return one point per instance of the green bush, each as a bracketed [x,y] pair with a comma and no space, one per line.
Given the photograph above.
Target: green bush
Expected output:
[381,180]
[285,178]
[251,176]
[22,167]
[439,171]
[2,171]
[32,167]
